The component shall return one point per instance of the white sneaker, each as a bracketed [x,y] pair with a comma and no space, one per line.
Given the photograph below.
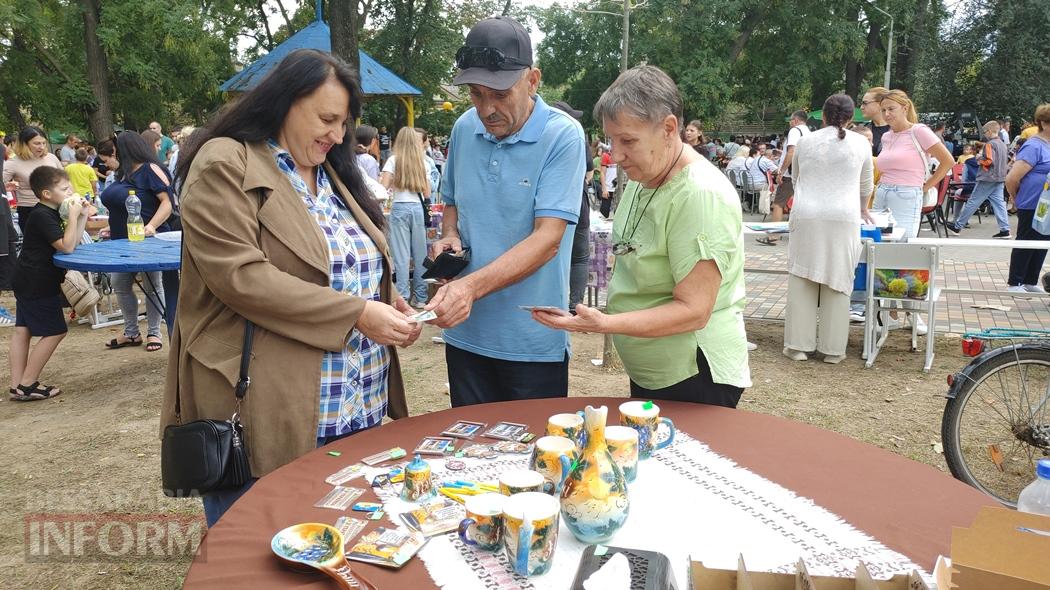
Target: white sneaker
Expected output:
[834,359]
[1016,289]
[889,322]
[751,346]
[920,325]
[795,355]
[1033,289]
[856,317]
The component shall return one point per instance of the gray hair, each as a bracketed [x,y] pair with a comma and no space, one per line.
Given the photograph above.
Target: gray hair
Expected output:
[645,92]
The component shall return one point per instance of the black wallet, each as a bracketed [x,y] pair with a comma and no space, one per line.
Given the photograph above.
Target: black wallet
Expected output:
[447,265]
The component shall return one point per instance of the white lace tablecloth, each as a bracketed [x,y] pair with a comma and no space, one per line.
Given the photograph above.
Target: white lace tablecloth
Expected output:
[688,501]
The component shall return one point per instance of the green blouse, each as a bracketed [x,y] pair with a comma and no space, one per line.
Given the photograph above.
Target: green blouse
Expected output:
[695,216]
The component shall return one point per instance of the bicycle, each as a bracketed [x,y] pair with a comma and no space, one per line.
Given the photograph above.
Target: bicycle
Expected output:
[996,422]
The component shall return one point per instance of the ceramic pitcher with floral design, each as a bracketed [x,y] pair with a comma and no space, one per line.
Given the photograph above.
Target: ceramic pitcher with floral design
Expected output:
[594,502]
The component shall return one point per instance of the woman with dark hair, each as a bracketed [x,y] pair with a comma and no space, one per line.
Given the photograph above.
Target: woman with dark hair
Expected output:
[31,152]
[138,170]
[364,137]
[832,175]
[694,136]
[152,139]
[279,229]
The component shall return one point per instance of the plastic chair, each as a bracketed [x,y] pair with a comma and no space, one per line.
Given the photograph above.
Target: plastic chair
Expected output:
[734,177]
[893,256]
[959,191]
[750,191]
[934,214]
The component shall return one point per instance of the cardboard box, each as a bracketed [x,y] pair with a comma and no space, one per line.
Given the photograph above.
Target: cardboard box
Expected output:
[703,578]
[1002,550]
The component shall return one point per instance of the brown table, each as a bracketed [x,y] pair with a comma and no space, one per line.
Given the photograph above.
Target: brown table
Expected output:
[908,506]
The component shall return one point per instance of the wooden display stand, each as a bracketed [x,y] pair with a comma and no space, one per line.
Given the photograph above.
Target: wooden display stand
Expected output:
[702,578]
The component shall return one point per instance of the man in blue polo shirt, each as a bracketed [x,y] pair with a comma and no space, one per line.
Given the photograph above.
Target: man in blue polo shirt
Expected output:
[511,190]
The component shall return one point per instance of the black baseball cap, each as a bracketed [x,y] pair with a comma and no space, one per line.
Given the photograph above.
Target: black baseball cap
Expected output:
[495,52]
[564,106]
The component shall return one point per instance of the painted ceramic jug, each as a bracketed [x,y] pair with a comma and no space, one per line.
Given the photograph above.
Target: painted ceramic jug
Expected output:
[594,502]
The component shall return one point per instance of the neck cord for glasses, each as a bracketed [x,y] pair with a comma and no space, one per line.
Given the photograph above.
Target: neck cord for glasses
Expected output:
[659,185]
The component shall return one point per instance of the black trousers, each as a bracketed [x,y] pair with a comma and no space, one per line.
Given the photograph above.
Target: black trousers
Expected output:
[699,388]
[580,261]
[477,379]
[1026,264]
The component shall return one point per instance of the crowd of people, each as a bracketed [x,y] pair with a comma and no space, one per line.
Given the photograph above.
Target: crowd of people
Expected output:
[303,238]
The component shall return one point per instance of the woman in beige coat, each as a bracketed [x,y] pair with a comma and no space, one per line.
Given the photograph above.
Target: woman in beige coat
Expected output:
[279,229]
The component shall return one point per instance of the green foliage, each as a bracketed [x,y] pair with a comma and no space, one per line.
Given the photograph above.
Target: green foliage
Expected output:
[996,61]
[746,60]
[166,59]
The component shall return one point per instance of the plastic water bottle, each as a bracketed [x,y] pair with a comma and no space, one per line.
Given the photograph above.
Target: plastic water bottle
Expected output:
[1036,497]
[136,229]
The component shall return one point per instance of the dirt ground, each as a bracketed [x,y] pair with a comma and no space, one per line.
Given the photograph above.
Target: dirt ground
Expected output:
[94,449]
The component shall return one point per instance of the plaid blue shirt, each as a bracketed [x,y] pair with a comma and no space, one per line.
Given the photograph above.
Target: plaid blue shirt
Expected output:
[353,380]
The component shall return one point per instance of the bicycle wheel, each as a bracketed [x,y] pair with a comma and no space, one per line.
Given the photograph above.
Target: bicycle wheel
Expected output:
[996,426]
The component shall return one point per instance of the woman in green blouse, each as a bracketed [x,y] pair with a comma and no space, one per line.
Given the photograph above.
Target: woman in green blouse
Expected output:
[676,299]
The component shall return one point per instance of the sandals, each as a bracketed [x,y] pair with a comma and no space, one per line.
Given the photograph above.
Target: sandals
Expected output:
[153,346]
[767,241]
[16,396]
[35,392]
[115,344]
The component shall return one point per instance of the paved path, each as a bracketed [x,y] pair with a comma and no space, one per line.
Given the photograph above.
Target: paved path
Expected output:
[963,268]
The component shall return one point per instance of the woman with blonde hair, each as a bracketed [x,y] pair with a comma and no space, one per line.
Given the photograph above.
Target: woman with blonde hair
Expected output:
[31,152]
[406,174]
[904,173]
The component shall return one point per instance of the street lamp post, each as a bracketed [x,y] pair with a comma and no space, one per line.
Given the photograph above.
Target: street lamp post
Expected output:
[889,45]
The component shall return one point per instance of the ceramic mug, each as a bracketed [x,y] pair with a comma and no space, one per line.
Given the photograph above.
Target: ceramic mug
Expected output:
[483,526]
[646,422]
[552,456]
[530,532]
[520,480]
[570,426]
[623,446]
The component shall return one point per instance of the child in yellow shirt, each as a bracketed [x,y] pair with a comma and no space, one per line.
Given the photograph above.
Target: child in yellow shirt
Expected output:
[82,176]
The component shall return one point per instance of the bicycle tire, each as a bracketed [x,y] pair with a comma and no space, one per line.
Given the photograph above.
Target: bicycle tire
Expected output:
[994,364]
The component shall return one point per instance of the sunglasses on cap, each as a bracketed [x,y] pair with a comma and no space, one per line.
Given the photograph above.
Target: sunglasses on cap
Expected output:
[487,57]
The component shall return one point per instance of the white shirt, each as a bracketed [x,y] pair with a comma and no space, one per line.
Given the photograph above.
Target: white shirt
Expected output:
[400,196]
[796,133]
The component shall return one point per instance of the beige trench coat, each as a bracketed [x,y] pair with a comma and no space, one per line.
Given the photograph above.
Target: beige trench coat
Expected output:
[251,250]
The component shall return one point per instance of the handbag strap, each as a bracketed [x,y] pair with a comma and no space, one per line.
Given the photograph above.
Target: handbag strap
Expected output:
[925,162]
[243,380]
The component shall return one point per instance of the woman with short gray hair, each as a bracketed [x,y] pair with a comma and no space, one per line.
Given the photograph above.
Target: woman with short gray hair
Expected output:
[676,299]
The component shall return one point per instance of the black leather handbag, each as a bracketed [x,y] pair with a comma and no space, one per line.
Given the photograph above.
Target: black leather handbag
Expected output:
[208,455]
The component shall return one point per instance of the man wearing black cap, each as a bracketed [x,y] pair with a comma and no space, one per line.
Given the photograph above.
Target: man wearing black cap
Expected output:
[511,188]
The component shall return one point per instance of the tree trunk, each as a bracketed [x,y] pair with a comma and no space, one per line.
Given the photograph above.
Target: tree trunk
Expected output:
[14,113]
[266,24]
[100,114]
[343,17]
[284,14]
[854,69]
[747,27]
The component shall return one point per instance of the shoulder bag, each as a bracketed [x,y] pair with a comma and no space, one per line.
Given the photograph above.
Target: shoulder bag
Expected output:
[81,296]
[208,455]
[929,198]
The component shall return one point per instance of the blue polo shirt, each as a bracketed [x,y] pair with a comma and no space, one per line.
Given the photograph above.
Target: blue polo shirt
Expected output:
[499,188]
